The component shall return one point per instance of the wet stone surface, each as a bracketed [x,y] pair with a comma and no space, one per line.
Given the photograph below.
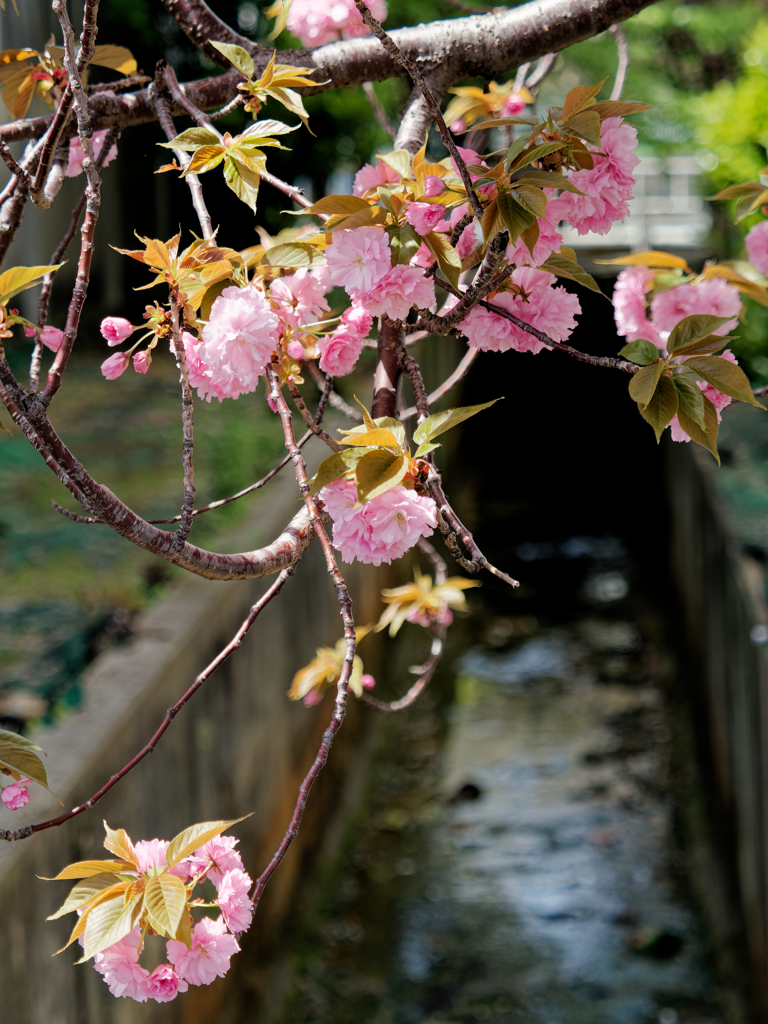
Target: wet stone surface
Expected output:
[518,861]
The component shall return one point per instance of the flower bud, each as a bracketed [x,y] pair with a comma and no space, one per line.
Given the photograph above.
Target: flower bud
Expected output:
[115,329]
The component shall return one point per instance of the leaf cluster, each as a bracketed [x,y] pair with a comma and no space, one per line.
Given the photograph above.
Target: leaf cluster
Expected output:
[19,760]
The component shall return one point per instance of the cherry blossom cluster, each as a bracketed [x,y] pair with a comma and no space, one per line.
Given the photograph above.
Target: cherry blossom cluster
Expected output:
[632,303]
[213,940]
[317,22]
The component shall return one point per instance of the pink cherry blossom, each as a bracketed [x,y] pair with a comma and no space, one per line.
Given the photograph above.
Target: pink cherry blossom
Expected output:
[549,241]
[237,342]
[371,176]
[317,22]
[151,853]
[117,364]
[115,329]
[120,970]
[714,296]
[433,186]
[424,217]
[470,237]
[367,682]
[458,126]
[358,259]
[629,305]
[380,530]
[552,310]
[217,857]
[340,350]
[15,795]
[399,290]
[469,156]
[142,360]
[757,246]
[163,984]
[234,901]
[52,338]
[513,105]
[210,953]
[300,297]
[77,155]
[607,185]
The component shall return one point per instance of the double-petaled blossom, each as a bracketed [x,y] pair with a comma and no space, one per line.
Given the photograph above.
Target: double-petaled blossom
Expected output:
[164,984]
[209,955]
[119,966]
[715,296]
[424,217]
[16,794]
[382,529]
[756,243]
[607,184]
[358,259]
[433,185]
[300,297]
[115,330]
[234,901]
[401,288]
[215,858]
[549,241]
[340,350]
[551,310]
[370,176]
[317,22]
[630,305]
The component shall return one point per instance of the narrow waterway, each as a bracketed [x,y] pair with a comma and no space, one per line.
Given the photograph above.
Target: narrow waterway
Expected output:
[518,861]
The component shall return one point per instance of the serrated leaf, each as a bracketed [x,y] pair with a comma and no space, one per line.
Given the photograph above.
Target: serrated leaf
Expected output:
[499,122]
[205,158]
[165,899]
[404,243]
[725,376]
[641,353]
[184,931]
[425,449]
[119,843]
[334,466]
[192,139]
[619,108]
[379,437]
[439,422]
[337,204]
[579,97]
[194,837]
[89,868]
[15,740]
[293,254]
[549,179]
[107,924]
[532,199]
[571,270]
[584,125]
[264,130]
[516,149]
[707,438]
[378,472]
[514,214]
[83,892]
[238,56]
[243,182]
[114,892]
[530,156]
[368,423]
[651,258]
[662,406]
[705,347]
[690,397]
[643,384]
[694,328]
[118,58]
[18,279]
[448,260]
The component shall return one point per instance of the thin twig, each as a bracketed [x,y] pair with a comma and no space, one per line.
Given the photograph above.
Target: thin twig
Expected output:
[621,71]
[378,109]
[188,425]
[23,177]
[461,370]
[233,104]
[306,415]
[169,716]
[405,62]
[333,397]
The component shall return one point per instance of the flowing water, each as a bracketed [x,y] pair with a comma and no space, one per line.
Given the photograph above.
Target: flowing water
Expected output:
[518,861]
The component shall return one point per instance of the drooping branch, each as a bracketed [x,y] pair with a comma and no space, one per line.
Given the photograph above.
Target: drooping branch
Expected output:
[481,45]
[169,716]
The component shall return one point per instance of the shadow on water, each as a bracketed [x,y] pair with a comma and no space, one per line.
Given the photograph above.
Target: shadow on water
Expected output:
[518,859]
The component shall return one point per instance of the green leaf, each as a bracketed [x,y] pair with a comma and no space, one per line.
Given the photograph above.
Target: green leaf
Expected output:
[399,160]
[293,254]
[377,472]
[237,56]
[448,260]
[692,329]
[531,155]
[109,923]
[380,437]
[261,131]
[571,270]
[243,182]
[81,893]
[690,397]
[531,198]
[23,760]
[584,125]
[18,279]
[499,122]
[404,242]
[707,438]
[514,214]
[165,899]
[579,97]
[334,466]
[337,204]
[439,422]
[641,353]
[548,179]
[662,406]
[194,837]
[192,139]
[619,108]
[725,376]
[425,449]
[643,384]
[516,149]
[6,736]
